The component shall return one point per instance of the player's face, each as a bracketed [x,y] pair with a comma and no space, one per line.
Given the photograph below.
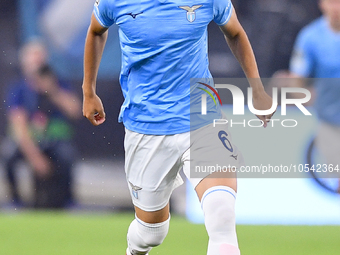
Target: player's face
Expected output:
[331,9]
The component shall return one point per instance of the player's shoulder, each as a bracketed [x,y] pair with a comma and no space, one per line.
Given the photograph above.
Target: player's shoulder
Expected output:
[222,11]
[225,3]
[106,4]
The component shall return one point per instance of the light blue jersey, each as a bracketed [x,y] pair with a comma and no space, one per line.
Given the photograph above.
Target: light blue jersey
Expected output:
[164,45]
[317,55]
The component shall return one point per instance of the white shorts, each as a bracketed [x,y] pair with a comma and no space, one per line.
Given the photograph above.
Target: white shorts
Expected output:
[153,162]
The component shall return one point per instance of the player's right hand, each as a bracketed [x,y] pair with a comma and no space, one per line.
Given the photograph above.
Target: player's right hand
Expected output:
[93,110]
[262,101]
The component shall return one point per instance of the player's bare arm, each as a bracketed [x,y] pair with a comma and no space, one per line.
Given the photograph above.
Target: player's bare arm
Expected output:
[239,44]
[93,108]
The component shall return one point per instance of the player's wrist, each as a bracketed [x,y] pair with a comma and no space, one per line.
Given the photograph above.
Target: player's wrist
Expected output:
[88,91]
[257,87]
[258,92]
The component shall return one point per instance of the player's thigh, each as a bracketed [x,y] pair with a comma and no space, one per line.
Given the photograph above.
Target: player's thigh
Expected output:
[152,164]
[153,217]
[212,160]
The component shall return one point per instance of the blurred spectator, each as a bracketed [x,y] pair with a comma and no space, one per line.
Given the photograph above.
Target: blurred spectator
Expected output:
[317,55]
[39,110]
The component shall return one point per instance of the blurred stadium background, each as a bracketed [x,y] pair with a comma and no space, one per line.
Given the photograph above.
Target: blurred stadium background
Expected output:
[99,222]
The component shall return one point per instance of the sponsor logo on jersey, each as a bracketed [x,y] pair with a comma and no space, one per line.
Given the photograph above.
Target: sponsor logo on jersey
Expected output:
[191,14]
[133,15]
[234,156]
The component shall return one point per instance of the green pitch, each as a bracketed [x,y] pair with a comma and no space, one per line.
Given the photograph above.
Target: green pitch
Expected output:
[48,233]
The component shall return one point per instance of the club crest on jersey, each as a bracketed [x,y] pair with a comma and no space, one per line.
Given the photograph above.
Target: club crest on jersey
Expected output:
[191,14]
[135,190]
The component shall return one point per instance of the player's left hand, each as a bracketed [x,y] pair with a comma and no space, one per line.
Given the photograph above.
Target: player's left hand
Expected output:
[262,101]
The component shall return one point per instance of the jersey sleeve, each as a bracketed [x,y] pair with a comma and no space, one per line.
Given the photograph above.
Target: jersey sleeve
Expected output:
[302,62]
[103,13]
[222,11]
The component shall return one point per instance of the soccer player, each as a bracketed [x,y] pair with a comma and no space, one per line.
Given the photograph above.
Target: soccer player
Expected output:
[317,55]
[164,45]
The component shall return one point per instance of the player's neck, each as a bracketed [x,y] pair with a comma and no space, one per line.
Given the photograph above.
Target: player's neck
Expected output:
[335,30]
[334,26]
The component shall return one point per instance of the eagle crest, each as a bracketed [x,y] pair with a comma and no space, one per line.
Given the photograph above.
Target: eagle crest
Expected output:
[191,14]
